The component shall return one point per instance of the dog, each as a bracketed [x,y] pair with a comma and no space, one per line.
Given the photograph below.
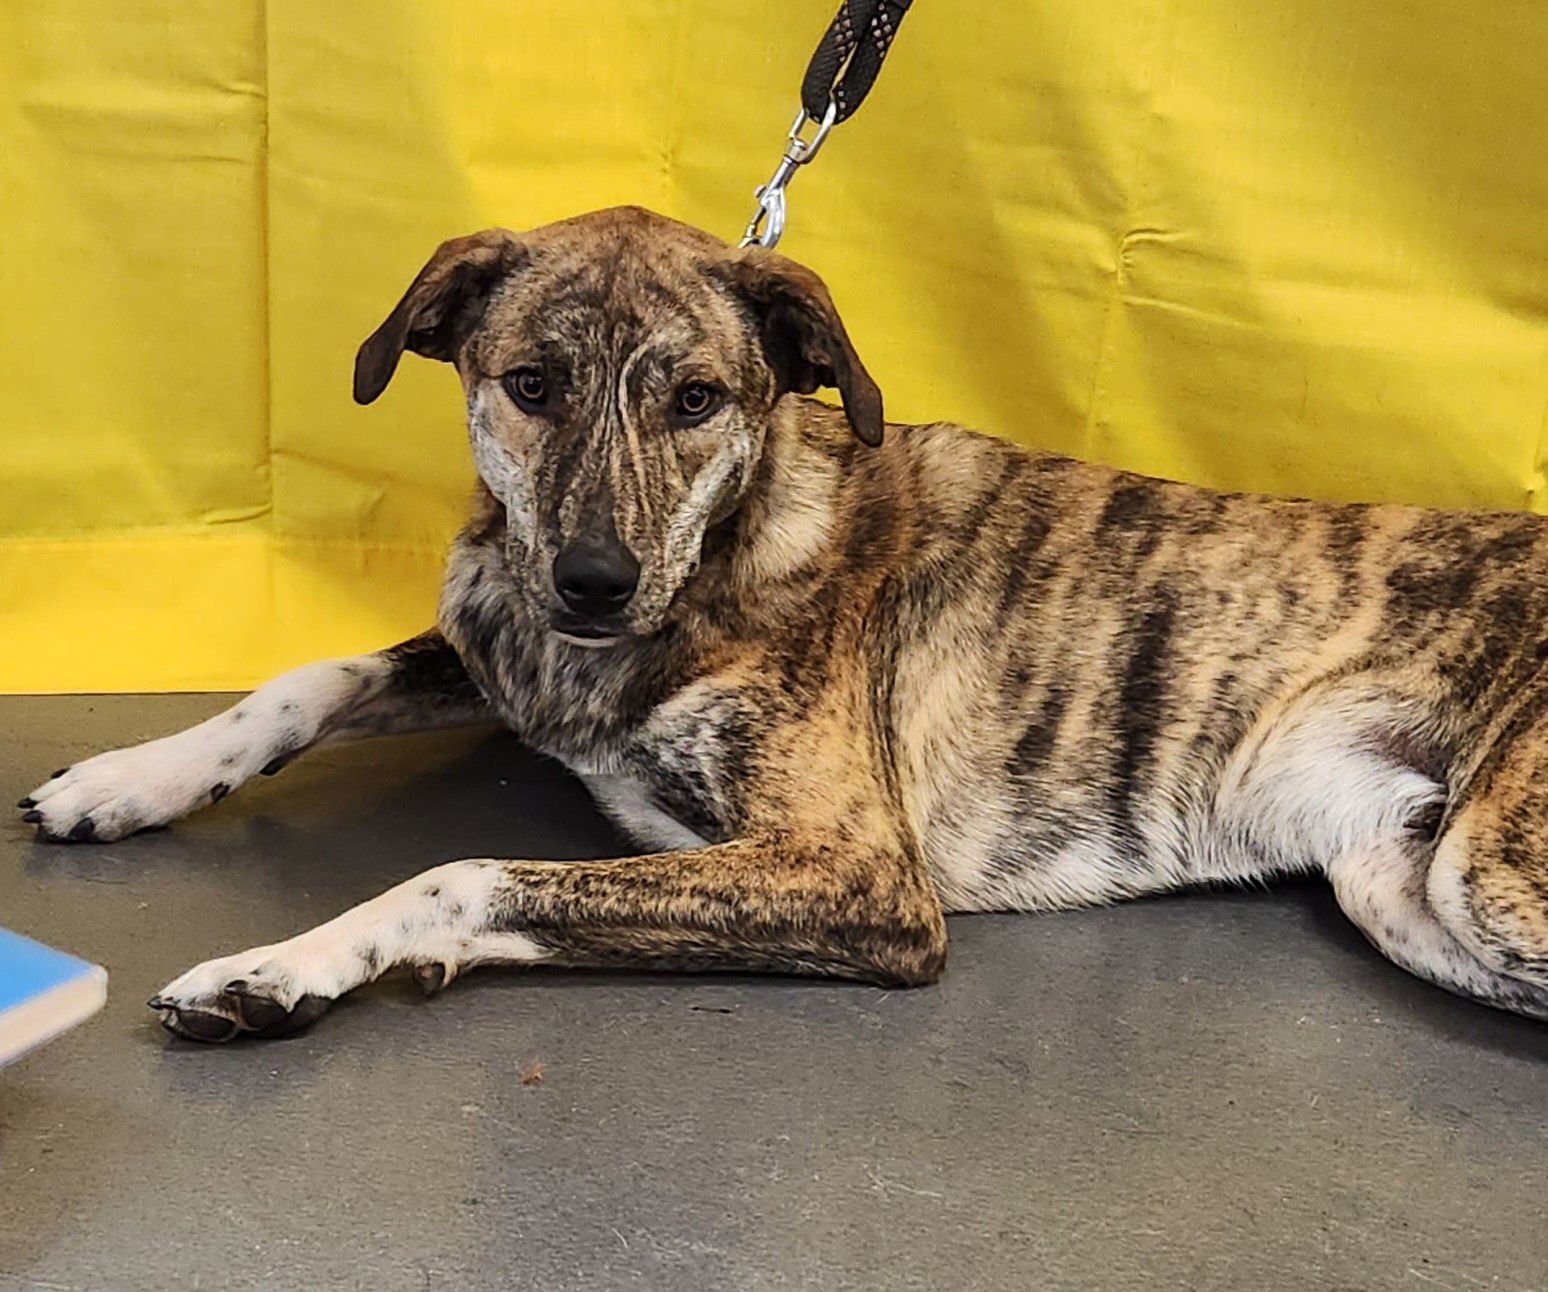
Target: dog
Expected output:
[838,678]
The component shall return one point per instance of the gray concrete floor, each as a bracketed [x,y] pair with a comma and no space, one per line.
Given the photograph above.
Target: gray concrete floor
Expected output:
[1217,1091]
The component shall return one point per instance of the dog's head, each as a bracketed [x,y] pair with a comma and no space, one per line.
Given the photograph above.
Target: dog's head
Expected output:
[621,370]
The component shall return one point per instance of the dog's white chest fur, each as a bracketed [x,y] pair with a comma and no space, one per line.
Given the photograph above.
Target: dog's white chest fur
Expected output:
[628,803]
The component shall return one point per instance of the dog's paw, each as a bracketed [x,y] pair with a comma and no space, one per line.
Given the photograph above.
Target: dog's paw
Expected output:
[266,992]
[114,794]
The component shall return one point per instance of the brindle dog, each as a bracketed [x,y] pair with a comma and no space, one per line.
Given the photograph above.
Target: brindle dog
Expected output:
[838,687]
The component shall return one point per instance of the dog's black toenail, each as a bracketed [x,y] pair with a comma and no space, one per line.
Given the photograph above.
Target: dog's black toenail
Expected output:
[431,977]
[155,1002]
[81,831]
[54,776]
[26,803]
[219,792]
[306,1012]
[32,818]
[258,1013]
[275,765]
[200,1025]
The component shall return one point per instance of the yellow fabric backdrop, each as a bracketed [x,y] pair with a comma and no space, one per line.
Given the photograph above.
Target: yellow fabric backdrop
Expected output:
[1299,246]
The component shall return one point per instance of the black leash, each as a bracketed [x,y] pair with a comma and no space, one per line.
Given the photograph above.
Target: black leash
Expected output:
[849,57]
[842,71]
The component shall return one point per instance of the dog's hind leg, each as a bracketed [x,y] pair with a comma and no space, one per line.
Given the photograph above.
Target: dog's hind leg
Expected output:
[767,904]
[1346,780]
[1408,897]
[415,685]
[1488,881]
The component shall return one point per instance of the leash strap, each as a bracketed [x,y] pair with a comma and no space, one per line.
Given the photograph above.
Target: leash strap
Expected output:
[849,57]
[843,69]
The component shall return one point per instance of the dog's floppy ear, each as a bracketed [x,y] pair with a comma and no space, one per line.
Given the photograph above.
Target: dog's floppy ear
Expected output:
[444,301]
[804,338]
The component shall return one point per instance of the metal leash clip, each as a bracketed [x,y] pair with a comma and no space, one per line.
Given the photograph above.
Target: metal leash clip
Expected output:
[768,222]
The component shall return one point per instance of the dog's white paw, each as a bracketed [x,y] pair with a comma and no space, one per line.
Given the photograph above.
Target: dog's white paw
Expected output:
[268,991]
[436,923]
[124,790]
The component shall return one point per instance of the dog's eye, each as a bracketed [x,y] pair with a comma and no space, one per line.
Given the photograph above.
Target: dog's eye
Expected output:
[696,401]
[527,387]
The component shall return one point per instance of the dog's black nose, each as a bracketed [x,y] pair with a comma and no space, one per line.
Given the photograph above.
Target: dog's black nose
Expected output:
[596,579]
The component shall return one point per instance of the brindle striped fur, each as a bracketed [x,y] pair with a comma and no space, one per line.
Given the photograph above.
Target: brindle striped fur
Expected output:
[861,686]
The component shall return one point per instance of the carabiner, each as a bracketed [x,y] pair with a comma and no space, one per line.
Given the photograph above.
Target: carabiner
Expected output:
[767,225]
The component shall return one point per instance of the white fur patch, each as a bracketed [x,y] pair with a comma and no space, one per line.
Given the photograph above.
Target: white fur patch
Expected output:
[1314,786]
[501,469]
[685,533]
[628,805]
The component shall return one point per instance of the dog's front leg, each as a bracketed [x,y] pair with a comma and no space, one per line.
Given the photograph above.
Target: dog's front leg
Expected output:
[417,684]
[773,903]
